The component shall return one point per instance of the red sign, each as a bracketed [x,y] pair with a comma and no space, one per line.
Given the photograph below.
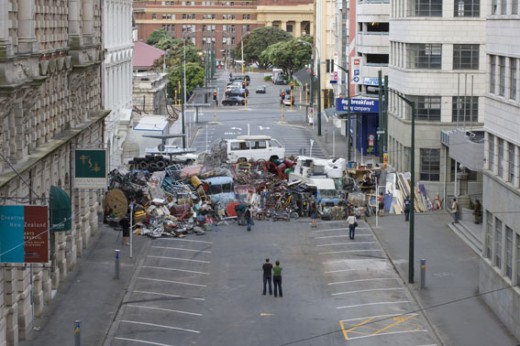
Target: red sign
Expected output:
[36,234]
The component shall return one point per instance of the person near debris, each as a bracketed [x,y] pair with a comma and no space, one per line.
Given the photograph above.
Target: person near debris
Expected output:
[455,211]
[248,215]
[277,279]
[267,267]
[477,212]
[407,209]
[352,224]
[125,226]
[314,215]
[366,181]
[381,204]
[240,210]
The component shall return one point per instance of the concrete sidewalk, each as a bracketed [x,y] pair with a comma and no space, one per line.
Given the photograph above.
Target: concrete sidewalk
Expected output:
[89,293]
[450,300]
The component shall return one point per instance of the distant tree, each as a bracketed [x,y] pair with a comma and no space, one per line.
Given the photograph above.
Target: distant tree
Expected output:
[258,40]
[290,55]
[156,36]
[194,76]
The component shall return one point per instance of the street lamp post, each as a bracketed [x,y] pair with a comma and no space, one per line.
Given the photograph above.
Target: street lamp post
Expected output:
[347,125]
[184,94]
[319,82]
[412,197]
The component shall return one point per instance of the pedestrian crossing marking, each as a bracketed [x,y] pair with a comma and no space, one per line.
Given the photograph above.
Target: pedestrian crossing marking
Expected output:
[379,325]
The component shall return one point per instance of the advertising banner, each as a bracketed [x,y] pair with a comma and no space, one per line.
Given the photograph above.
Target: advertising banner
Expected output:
[90,169]
[24,234]
[357,105]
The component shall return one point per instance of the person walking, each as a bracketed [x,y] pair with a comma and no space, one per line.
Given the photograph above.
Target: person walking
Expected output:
[277,279]
[352,224]
[267,268]
[381,204]
[455,210]
[314,215]
[125,226]
[248,214]
[407,209]
[477,212]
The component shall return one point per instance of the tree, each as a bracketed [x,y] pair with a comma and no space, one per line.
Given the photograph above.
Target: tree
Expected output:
[258,40]
[194,76]
[156,36]
[289,55]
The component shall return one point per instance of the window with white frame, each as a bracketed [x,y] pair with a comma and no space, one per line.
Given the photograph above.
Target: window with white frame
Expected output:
[430,164]
[467,8]
[464,108]
[425,56]
[510,162]
[492,73]
[428,8]
[465,56]
[491,158]
[428,108]
[500,158]
[513,78]
[509,252]
[489,235]
[498,243]
[501,75]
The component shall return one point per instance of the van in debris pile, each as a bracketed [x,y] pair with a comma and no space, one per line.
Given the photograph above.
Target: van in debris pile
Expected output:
[254,147]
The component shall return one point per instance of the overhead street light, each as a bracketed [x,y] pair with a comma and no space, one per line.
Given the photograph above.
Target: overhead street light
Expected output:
[319,81]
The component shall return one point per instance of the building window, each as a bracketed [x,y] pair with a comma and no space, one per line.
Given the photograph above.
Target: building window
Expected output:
[514,7]
[430,164]
[428,8]
[246,16]
[500,158]
[510,162]
[509,252]
[428,108]
[154,15]
[464,109]
[467,8]
[465,56]
[425,56]
[513,78]
[502,76]
[289,28]
[489,235]
[491,158]
[246,28]
[492,73]
[498,243]
[503,7]
[494,5]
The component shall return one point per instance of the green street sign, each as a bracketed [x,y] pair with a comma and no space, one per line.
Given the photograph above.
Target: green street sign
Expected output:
[90,168]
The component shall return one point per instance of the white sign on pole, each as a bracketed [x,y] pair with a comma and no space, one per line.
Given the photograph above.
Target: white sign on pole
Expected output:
[355,75]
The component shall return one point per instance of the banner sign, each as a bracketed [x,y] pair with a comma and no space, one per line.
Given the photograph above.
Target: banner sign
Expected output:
[24,234]
[357,105]
[90,169]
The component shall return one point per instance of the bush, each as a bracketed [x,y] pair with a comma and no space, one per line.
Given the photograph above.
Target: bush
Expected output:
[268,78]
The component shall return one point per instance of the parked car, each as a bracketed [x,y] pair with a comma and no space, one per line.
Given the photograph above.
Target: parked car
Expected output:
[261,89]
[280,80]
[288,101]
[233,100]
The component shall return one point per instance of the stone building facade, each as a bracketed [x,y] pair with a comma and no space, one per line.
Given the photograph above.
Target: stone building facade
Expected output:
[50,105]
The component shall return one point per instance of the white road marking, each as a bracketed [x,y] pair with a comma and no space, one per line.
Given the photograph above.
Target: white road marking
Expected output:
[380,303]
[343,236]
[180,249]
[172,282]
[187,240]
[348,251]
[342,270]
[362,280]
[161,326]
[389,333]
[180,259]
[349,243]
[168,295]
[141,341]
[370,290]
[337,229]
[163,309]
[175,269]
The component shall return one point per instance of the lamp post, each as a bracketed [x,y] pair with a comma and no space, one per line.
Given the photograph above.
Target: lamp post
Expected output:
[347,125]
[412,199]
[319,82]
[184,93]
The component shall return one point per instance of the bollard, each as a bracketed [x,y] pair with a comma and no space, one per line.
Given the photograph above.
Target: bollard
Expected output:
[116,262]
[77,333]
[423,273]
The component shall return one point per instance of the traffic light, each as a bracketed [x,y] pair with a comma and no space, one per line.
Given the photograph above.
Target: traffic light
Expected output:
[292,85]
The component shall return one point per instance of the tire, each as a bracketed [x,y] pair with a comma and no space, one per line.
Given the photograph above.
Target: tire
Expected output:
[143,165]
[294,215]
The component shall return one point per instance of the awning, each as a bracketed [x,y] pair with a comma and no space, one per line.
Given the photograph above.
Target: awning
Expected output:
[60,210]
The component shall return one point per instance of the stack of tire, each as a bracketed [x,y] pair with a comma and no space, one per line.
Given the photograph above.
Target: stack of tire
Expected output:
[150,163]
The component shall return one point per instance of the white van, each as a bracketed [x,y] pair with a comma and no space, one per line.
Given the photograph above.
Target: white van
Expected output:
[255,147]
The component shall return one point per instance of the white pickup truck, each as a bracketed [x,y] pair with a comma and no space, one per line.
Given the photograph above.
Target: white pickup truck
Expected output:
[253,147]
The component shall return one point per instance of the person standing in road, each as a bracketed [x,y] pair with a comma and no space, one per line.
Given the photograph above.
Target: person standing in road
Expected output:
[352,224]
[477,212]
[314,215]
[381,204]
[407,209]
[267,268]
[125,226]
[277,279]
[248,214]
[455,210]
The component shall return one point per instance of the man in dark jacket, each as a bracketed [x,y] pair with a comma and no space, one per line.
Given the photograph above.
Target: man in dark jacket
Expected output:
[267,268]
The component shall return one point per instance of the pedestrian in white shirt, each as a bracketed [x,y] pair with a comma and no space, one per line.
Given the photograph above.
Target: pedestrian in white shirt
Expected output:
[352,224]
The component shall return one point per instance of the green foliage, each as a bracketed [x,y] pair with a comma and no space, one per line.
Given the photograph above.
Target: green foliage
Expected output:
[289,55]
[194,76]
[258,40]
[268,78]
[156,36]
